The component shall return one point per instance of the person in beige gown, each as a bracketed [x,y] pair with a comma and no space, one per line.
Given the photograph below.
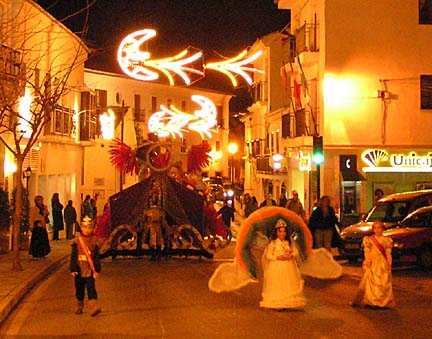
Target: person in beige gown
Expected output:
[375,287]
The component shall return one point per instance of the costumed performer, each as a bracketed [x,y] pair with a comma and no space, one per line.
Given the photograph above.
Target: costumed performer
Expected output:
[85,267]
[375,287]
[283,284]
[255,232]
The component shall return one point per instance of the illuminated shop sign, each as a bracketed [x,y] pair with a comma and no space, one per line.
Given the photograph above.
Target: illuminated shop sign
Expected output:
[305,161]
[378,160]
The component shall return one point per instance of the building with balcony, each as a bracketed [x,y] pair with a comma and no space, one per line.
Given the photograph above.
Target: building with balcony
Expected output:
[133,102]
[362,75]
[41,65]
[267,123]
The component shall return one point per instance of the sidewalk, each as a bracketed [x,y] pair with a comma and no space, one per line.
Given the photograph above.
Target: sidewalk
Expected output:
[16,284]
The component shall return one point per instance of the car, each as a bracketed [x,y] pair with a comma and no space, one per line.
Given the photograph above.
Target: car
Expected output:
[221,193]
[216,191]
[390,210]
[412,238]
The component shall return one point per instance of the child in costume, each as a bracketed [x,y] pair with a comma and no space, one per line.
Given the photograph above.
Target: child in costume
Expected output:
[85,267]
[283,284]
[375,287]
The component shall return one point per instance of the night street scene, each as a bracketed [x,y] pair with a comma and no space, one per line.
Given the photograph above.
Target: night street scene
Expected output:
[216,169]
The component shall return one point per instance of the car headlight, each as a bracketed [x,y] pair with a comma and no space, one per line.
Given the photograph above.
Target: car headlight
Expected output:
[398,245]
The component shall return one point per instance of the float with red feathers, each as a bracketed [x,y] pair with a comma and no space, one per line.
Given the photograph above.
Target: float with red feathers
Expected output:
[194,226]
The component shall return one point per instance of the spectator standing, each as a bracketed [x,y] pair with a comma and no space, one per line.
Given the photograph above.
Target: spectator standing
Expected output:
[378,194]
[269,201]
[227,213]
[93,205]
[57,213]
[294,204]
[70,218]
[87,208]
[322,223]
[39,212]
[39,243]
[283,200]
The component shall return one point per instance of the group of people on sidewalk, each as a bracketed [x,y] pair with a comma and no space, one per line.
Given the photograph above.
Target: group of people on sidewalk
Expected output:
[63,218]
[39,220]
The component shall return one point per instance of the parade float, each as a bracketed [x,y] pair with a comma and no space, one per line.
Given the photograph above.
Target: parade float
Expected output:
[161,215]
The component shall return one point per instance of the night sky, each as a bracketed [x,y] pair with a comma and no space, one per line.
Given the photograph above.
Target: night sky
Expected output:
[222,28]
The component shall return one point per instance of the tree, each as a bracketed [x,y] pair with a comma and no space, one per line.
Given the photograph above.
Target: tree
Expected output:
[40,63]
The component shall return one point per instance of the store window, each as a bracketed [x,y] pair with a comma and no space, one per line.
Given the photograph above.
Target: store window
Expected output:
[425,12]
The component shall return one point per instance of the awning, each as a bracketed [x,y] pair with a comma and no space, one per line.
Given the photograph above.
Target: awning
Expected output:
[352,176]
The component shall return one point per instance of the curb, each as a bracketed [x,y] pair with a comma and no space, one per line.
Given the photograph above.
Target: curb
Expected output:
[8,303]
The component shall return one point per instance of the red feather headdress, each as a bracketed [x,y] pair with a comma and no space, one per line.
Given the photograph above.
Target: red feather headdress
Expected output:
[123,157]
[198,157]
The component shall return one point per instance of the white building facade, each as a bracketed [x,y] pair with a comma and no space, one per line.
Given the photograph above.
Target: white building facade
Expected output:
[136,101]
[365,80]
[37,44]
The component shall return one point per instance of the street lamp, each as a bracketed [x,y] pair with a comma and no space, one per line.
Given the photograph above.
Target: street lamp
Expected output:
[26,175]
[232,149]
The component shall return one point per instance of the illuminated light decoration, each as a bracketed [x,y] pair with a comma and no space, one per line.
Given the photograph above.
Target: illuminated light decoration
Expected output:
[381,161]
[170,121]
[135,62]
[107,121]
[9,167]
[277,161]
[237,65]
[215,155]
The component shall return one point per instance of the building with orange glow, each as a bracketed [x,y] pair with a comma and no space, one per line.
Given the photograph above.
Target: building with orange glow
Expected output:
[37,48]
[360,76]
[133,103]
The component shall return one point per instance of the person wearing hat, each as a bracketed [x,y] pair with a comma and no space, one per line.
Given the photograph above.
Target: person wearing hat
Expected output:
[283,284]
[85,267]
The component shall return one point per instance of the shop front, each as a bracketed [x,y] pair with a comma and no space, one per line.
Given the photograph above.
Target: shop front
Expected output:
[396,170]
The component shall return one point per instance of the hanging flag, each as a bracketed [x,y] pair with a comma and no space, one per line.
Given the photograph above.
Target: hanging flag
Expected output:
[297,94]
[284,77]
[296,90]
[303,78]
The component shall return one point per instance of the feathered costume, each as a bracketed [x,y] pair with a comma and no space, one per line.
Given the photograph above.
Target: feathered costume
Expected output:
[255,231]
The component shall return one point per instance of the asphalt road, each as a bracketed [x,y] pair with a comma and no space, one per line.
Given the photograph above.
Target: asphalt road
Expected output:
[170,299]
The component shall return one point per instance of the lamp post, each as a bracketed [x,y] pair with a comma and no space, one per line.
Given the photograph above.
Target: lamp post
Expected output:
[232,149]
[26,175]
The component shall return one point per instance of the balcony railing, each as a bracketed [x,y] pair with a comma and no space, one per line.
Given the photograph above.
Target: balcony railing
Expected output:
[307,38]
[300,123]
[63,122]
[263,165]
[258,91]
[88,125]
[10,63]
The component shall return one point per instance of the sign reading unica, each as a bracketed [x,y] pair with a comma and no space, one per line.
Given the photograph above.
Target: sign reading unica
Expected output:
[378,160]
